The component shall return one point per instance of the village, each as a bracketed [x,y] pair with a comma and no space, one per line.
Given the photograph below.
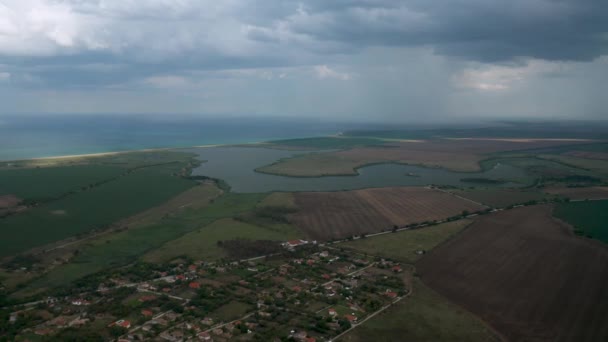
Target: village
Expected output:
[307,293]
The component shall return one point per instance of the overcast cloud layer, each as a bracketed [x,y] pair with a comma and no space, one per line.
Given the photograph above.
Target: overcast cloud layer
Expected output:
[357,60]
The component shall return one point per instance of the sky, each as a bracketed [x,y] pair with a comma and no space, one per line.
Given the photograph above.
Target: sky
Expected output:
[357,60]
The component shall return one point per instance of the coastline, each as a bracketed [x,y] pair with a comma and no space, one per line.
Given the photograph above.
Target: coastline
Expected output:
[112,153]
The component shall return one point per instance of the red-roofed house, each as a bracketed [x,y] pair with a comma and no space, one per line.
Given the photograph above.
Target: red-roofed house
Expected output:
[332,312]
[397,269]
[122,323]
[147,313]
[390,294]
[296,288]
[351,318]
[294,243]
[147,298]
[194,285]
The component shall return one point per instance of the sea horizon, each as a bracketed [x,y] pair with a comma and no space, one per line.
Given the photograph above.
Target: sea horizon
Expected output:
[72,135]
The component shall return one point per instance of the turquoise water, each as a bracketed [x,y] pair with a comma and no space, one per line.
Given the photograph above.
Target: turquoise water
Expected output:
[236,166]
[45,136]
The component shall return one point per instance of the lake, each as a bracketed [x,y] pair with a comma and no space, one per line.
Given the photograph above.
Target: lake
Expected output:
[236,166]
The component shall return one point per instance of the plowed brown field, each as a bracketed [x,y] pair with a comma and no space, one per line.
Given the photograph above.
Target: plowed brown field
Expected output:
[527,275]
[331,215]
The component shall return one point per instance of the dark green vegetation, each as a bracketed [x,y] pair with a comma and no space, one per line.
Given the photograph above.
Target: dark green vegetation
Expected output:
[501,198]
[589,218]
[329,142]
[40,184]
[91,209]
[423,316]
[481,180]
[126,246]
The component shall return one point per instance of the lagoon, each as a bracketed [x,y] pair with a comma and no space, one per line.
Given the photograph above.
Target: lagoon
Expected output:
[236,166]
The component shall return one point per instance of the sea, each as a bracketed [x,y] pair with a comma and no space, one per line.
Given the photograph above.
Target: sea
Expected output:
[36,136]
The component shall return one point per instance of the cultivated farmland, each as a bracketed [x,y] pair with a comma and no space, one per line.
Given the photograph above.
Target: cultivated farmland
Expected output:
[527,275]
[332,215]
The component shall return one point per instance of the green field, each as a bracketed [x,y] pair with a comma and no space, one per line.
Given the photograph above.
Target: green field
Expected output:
[50,182]
[95,208]
[231,311]
[202,244]
[329,142]
[403,245]
[127,246]
[499,198]
[588,218]
[424,316]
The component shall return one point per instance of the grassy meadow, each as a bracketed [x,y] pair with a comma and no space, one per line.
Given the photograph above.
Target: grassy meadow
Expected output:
[403,245]
[499,198]
[424,316]
[202,244]
[127,246]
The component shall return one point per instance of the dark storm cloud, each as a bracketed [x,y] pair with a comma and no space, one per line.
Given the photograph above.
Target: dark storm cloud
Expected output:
[487,30]
[345,56]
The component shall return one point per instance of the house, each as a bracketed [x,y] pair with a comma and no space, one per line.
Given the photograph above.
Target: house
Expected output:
[390,294]
[296,288]
[207,321]
[397,269]
[291,244]
[324,254]
[332,312]
[351,318]
[78,322]
[326,276]
[194,285]
[147,313]
[60,321]
[121,323]
[44,331]
[79,302]
[147,298]
[204,336]
[300,336]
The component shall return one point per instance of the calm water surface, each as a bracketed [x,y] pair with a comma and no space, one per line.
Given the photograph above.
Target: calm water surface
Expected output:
[236,166]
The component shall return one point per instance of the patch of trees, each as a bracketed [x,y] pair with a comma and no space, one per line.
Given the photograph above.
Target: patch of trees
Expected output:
[21,261]
[274,213]
[481,180]
[218,182]
[243,249]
